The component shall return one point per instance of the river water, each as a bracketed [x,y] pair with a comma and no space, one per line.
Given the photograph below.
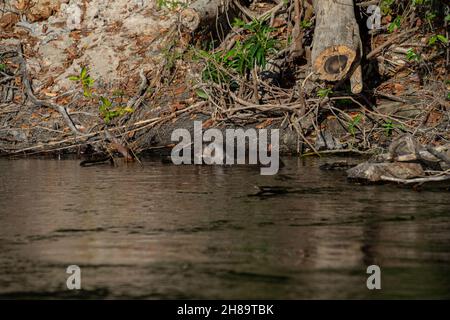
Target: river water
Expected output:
[162,231]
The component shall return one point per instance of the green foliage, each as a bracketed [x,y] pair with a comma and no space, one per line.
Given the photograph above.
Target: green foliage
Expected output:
[169,4]
[430,16]
[352,125]
[243,56]
[215,68]
[259,44]
[306,24]
[109,112]
[386,6]
[171,55]
[411,55]
[389,127]
[418,2]
[395,25]
[323,93]
[429,11]
[437,38]
[85,80]
[421,3]
[106,109]
[202,94]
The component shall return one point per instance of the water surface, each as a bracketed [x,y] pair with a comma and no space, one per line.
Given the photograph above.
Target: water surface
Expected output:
[160,231]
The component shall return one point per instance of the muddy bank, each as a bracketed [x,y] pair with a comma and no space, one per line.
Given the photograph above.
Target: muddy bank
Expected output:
[122,75]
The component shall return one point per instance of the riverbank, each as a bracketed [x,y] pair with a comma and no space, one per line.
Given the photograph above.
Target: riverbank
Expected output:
[118,78]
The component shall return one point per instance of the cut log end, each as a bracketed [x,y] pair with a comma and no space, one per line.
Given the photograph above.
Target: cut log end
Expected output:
[336,41]
[333,63]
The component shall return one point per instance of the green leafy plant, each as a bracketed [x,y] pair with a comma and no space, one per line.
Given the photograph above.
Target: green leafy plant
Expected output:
[353,124]
[430,16]
[437,38]
[169,4]
[109,112]
[323,93]
[107,109]
[202,94]
[395,25]
[259,44]
[386,6]
[215,68]
[416,3]
[411,55]
[172,54]
[2,67]
[85,80]
[244,55]
[306,24]
[389,127]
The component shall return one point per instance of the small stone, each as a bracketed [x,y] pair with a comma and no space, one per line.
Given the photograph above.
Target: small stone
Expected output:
[8,20]
[42,10]
[404,149]
[74,14]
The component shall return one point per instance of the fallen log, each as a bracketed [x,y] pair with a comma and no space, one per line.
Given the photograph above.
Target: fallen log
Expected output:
[202,13]
[336,44]
[436,178]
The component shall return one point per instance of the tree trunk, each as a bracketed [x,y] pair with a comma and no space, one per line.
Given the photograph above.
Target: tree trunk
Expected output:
[202,13]
[336,44]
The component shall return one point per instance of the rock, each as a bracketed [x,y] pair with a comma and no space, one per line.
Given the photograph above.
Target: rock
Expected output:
[8,20]
[325,141]
[398,109]
[441,154]
[335,127]
[374,172]
[404,149]
[406,159]
[18,135]
[40,10]
[74,14]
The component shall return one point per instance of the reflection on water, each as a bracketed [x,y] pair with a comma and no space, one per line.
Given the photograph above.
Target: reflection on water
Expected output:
[162,231]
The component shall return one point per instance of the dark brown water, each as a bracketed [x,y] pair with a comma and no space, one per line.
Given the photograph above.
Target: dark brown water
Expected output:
[161,231]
